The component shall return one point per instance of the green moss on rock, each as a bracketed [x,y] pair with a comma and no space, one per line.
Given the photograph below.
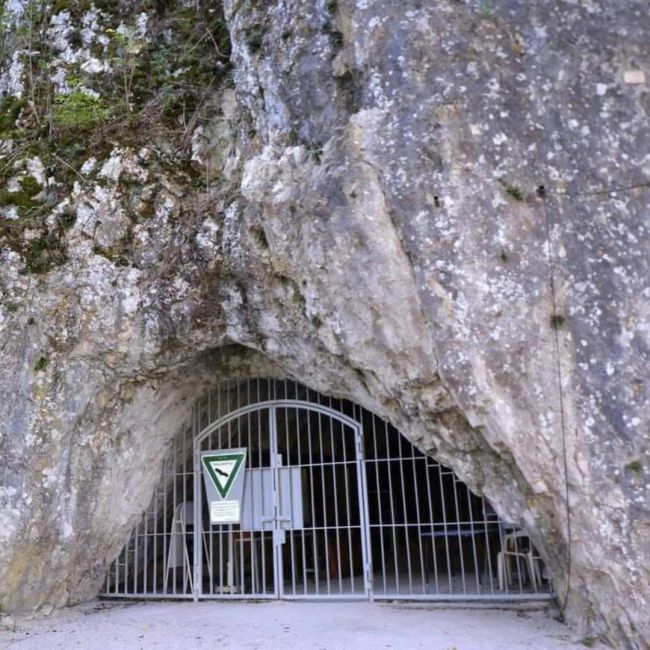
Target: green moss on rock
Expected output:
[25,199]
[9,113]
[79,110]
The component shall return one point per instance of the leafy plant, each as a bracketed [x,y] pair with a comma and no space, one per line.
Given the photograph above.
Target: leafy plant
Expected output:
[78,110]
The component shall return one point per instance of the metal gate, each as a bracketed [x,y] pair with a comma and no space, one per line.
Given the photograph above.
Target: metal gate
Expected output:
[336,504]
[303,530]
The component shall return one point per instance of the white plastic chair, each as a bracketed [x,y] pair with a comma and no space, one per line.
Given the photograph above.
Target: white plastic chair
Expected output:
[518,547]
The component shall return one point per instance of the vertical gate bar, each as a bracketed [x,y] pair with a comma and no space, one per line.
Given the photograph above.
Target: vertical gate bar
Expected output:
[198,513]
[256,450]
[417,513]
[364,523]
[261,466]
[134,577]
[220,531]
[488,545]
[164,533]
[174,504]
[488,549]
[192,569]
[299,432]
[346,467]
[379,503]
[282,415]
[242,570]
[324,502]
[206,543]
[389,463]
[145,562]
[119,583]
[502,534]
[288,466]
[210,419]
[155,539]
[314,539]
[336,504]
[460,539]
[177,495]
[406,523]
[126,565]
[249,463]
[186,572]
[427,468]
[445,526]
[288,536]
[250,457]
[477,568]
[210,536]
[277,551]
[518,564]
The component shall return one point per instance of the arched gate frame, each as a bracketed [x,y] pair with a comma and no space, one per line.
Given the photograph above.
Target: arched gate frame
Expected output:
[338,546]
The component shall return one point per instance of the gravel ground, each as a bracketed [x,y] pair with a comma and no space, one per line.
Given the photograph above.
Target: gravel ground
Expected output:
[277,624]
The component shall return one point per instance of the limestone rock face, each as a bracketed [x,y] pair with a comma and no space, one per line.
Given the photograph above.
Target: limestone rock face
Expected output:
[436,209]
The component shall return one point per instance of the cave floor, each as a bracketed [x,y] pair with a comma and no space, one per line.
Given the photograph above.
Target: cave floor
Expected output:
[278,624]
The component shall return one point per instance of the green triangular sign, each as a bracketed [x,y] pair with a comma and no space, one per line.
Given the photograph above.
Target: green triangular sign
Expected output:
[223,469]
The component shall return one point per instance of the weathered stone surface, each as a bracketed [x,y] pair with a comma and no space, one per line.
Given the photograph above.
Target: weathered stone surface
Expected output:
[437,209]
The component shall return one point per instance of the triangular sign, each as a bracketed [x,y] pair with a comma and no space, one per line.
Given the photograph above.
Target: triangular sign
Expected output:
[222,470]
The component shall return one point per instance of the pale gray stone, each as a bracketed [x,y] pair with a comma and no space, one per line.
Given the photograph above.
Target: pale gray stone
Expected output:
[437,209]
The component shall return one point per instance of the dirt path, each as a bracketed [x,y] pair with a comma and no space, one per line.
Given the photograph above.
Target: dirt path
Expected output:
[274,625]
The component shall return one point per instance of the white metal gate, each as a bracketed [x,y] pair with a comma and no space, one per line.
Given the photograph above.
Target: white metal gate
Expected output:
[303,530]
[336,504]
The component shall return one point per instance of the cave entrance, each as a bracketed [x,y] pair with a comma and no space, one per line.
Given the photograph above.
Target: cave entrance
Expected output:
[335,503]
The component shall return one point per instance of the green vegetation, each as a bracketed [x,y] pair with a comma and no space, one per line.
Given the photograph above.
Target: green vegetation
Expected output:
[635,466]
[513,191]
[23,199]
[149,91]
[9,114]
[78,110]
[44,252]
[486,11]
[41,364]
[255,37]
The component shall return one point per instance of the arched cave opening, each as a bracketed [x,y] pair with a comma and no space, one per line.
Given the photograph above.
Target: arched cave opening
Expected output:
[333,502]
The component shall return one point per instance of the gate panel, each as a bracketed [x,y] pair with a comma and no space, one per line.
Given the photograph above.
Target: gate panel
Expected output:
[237,560]
[323,555]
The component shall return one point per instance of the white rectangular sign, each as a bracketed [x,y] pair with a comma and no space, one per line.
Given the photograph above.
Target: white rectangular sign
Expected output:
[224,512]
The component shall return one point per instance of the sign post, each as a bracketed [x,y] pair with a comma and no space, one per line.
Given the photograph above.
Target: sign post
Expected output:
[223,475]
